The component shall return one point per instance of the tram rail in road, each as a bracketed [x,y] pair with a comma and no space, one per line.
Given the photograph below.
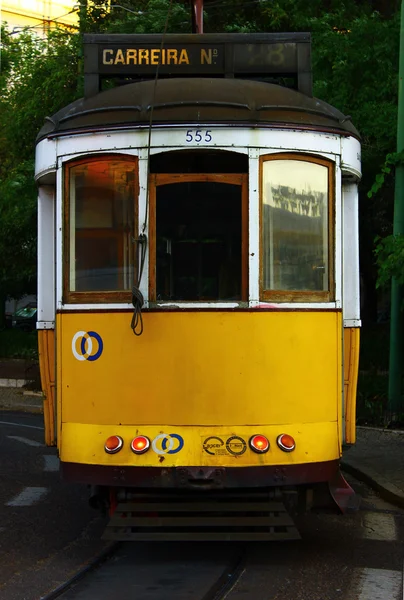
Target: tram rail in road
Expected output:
[118,570]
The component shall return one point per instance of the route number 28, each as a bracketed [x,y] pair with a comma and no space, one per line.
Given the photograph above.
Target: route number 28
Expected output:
[198,135]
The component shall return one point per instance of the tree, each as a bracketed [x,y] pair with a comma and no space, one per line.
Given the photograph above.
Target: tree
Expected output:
[355,64]
[37,78]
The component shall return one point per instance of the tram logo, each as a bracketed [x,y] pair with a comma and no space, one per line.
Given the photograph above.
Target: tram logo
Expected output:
[83,347]
[167,443]
[236,445]
[216,446]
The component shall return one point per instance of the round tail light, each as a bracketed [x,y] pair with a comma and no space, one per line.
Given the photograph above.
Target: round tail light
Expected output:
[259,443]
[140,444]
[286,442]
[113,444]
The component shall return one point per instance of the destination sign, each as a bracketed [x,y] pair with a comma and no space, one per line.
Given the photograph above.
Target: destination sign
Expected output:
[226,55]
[127,59]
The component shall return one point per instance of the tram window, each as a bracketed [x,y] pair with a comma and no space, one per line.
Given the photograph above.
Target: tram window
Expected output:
[199,241]
[296,228]
[101,226]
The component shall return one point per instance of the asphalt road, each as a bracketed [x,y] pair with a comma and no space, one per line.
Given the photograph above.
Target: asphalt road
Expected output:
[47,529]
[352,557]
[48,532]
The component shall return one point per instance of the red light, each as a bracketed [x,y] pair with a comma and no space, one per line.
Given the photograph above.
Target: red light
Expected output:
[140,444]
[113,444]
[286,442]
[259,443]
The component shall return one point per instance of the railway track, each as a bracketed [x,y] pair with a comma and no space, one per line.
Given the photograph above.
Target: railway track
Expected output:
[121,572]
[159,558]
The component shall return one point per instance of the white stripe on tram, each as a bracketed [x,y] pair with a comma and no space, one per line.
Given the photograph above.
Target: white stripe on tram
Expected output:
[380,584]
[28,496]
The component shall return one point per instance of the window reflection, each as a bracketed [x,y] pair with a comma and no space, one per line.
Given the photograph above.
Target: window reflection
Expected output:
[102,225]
[295,225]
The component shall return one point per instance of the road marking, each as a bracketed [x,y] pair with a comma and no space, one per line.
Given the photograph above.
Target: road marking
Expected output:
[379,526]
[380,584]
[20,425]
[28,496]
[51,463]
[25,440]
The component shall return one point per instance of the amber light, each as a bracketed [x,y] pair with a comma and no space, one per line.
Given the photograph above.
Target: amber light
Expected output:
[113,444]
[140,444]
[286,442]
[259,443]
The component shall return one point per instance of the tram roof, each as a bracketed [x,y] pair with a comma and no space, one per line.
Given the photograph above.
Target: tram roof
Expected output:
[197,100]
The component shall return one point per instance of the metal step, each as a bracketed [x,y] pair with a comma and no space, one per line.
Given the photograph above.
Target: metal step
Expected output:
[235,516]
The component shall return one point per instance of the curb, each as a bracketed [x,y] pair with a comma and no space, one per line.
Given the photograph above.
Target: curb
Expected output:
[388,491]
[12,383]
[27,408]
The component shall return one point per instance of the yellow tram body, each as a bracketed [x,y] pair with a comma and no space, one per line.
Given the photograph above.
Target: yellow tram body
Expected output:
[217,368]
[241,381]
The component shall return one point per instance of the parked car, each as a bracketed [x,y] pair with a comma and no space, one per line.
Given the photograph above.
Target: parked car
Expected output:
[25,318]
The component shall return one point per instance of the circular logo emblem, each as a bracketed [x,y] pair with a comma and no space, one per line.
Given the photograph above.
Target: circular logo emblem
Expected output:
[166,443]
[236,445]
[83,347]
[213,445]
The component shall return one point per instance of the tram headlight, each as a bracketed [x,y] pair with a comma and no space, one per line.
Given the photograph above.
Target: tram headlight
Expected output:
[113,444]
[140,444]
[286,442]
[259,444]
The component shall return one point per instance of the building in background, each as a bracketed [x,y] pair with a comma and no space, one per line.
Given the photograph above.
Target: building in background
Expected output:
[39,15]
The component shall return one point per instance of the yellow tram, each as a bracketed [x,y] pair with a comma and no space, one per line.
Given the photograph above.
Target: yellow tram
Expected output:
[211,210]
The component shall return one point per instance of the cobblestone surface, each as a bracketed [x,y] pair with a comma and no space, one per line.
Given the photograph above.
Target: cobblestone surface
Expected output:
[19,399]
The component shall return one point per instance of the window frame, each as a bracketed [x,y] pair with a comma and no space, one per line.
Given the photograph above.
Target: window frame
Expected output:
[302,296]
[96,297]
[158,179]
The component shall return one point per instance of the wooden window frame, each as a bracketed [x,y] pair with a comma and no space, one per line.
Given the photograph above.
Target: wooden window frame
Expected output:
[159,179]
[94,297]
[301,295]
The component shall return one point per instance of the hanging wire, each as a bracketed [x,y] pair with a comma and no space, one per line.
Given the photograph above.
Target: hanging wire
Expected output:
[151,116]
[137,296]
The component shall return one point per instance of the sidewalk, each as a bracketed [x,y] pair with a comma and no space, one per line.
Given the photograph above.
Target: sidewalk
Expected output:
[20,385]
[378,459]
[19,399]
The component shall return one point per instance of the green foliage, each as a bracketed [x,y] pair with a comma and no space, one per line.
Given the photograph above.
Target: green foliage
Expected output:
[392,160]
[151,16]
[389,253]
[372,398]
[18,230]
[355,65]
[38,76]
[15,343]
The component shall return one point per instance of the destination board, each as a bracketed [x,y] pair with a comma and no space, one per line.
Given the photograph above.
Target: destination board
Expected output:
[227,55]
[144,58]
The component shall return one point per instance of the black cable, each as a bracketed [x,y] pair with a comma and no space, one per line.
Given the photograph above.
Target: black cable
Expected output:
[137,296]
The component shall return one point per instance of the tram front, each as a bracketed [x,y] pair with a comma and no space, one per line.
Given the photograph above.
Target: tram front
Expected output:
[217,218]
